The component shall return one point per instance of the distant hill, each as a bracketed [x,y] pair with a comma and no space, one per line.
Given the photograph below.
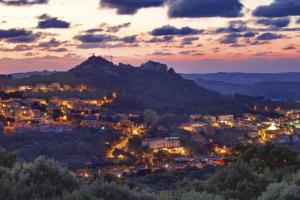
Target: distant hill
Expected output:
[29,74]
[283,86]
[245,78]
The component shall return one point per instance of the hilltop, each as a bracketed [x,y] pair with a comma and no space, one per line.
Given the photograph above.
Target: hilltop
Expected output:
[151,86]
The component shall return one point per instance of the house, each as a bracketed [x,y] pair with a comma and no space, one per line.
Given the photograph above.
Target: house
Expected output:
[195,117]
[194,127]
[226,118]
[211,160]
[210,118]
[90,121]
[55,128]
[250,117]
[161,143]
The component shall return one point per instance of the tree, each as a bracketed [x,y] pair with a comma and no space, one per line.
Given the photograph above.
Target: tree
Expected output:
[101,189]
[171,120]
[150,117]
[282,191]
[236,181]
[270,155]
[200,196]
[42,179]
[7,159]
[135,144]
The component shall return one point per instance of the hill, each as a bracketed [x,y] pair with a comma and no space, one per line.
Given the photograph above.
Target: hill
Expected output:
[152,86]
[245,78]
[29,74]
[284,86]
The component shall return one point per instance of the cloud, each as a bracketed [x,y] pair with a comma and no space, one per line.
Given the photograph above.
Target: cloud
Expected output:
[106,28]
[235,26]
[130,7]
[278,23]
[171,30]
[298,20]
[94,30]
[11,33]
[58,50]
[269,36]
[18,35]
[129,39]
[229,39]
[117,28]
[51,43]
[159,53]
[91,41]
[167,39]
[204,8]
[25,39]
[257,42]
[279,8]
[94,38]
[191,52]
[233,38]
[18,48]
[22,2]
[249,34]
[52,22]
[189,40]
[291,47]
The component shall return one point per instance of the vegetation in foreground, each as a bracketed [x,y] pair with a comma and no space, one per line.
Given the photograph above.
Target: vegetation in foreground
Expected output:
[263,172]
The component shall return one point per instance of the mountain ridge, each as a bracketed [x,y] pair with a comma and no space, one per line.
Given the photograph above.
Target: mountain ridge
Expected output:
[280,86]
[153,85]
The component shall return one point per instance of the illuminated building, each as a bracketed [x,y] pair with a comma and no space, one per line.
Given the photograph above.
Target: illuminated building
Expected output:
[161,143]
[210,118]
[224,118]
[194,127]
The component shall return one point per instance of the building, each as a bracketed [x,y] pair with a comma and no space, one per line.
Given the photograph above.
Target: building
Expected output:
[90,121]
[226,118]
[55,128]
[210,118]
[194,127]
[250,117]
[161,143]
[211,160]
[195,117]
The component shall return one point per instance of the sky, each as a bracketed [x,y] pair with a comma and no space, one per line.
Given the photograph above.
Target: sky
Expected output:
[193,36]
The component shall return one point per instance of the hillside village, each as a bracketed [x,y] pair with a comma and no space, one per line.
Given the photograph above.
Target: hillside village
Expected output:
[160,146]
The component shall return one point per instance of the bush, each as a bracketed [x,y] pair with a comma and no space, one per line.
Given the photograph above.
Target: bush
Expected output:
[282,191]
[238,182]
[7,159]
[101,189]
[42,179]
[200,196]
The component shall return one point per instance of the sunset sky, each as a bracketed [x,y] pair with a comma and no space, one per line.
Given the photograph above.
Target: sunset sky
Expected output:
[193,36]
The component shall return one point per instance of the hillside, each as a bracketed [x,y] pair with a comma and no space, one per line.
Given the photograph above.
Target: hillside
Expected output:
[285,86]
[151,86]
[29,74]
[245,78]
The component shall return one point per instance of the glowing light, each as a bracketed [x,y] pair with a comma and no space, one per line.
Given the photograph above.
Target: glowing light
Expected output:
[273,127]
